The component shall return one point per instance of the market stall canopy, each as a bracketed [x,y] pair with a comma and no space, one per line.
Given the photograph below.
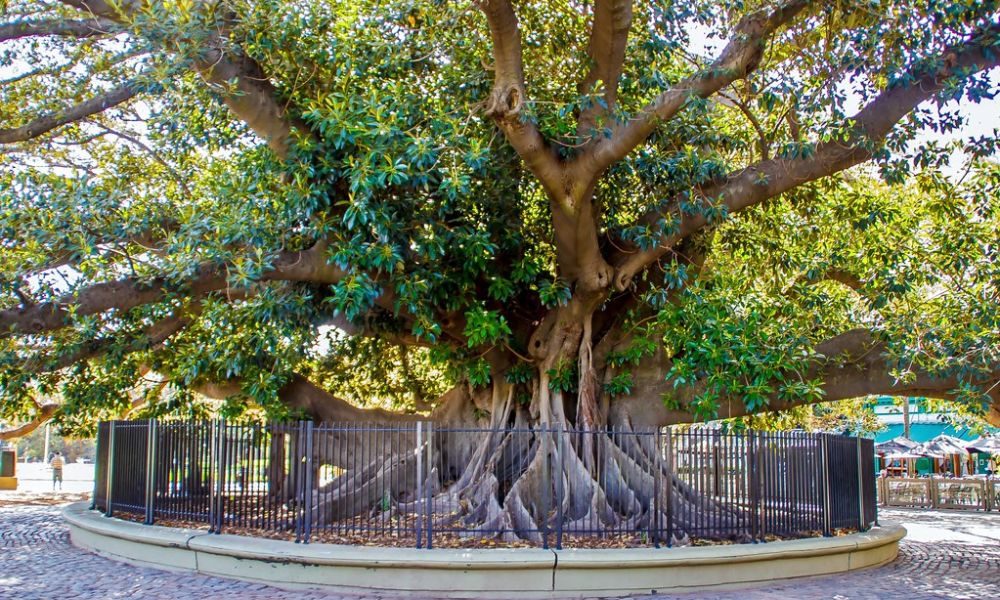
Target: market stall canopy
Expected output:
[895,445]
[944,445]
[984,445]
[910,454]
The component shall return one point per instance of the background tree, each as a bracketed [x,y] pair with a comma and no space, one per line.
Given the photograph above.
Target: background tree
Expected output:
[587,213]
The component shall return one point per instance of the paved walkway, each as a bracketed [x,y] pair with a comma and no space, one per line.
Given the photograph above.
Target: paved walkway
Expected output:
[947,555]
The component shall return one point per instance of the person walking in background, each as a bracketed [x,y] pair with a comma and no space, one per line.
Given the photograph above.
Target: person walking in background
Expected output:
[57,463]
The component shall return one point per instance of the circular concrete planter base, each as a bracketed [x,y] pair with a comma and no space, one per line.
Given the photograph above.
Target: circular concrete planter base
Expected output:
[494,573]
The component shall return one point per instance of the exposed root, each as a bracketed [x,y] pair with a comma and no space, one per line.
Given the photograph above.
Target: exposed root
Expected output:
[520,485]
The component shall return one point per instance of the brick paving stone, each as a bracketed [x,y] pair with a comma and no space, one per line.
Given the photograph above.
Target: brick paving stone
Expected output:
[948,555]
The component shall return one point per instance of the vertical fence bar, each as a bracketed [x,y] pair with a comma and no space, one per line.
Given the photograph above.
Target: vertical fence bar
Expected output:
[825,474]
[217,461]
[308,483]
[213,448]
[419,451]
[671,472]
[861,488]
[151,434]
[546,447]
[753,484]
[219,473]
[108,510]
[295,467]
[654,521]
[560,485]
[429,486]
[100,466]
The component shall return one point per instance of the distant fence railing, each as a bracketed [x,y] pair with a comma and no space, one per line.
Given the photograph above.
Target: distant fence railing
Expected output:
[971,493]
[425,485]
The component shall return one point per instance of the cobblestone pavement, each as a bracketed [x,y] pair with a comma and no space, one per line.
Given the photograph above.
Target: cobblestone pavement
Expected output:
[946,555]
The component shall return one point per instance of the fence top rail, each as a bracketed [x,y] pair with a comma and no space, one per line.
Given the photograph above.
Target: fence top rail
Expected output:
[694,433]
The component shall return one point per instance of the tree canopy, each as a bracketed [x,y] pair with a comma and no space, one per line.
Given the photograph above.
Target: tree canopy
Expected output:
[594,212]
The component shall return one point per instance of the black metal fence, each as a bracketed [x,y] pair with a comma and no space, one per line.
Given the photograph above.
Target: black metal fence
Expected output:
[420,484]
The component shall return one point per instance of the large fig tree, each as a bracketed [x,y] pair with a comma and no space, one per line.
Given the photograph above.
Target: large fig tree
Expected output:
[498,213]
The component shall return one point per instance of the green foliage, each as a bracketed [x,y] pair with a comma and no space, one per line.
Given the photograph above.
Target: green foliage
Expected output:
[522,372]
[485,327]
[564,377]
[619,385]
[370,372]
[478,372]
[436,220]
[554,293]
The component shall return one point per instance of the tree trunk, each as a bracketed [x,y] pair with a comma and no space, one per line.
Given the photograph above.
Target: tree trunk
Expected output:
[530,467]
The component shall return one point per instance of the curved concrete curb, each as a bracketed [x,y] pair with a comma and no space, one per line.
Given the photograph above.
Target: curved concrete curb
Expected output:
[494,573]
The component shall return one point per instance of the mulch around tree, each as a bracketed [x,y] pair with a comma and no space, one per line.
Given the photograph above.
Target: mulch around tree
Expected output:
[404,537]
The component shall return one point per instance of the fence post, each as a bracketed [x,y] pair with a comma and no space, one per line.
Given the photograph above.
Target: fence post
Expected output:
[220,496]
[862,521]
[827,525]
[307,496]
[654,519]
[151,438]
[546,487]
[560,485]
[97,464]
[111,470]
[420,483]
[430,488]
[671,470]
[295,469]
[754,483]
[213,465]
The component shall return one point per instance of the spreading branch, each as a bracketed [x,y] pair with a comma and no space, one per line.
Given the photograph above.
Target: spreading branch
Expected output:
[866,131]
[851,365]
[301,394]
[152,336]
[81,28]
[125,294]
[606,50]
[87,108]
[508,97]
[43,414]
[240,80]
[739,58]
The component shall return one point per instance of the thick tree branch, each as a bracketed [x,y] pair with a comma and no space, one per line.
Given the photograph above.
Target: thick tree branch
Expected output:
[739,58]
[123,295]
[44,414]
[866,132]
[301,394]
[606,49]
[151,337]
[254,99]
[841,276]
[851,365]
[239,79]
[508,98]
[45,124]
[82,28]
